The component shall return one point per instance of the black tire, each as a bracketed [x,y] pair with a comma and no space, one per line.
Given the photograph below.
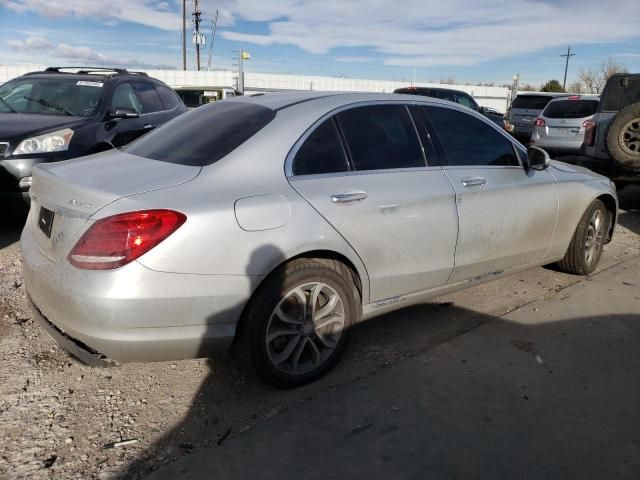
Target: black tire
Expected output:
[252,344]
[580,259]
[623,138]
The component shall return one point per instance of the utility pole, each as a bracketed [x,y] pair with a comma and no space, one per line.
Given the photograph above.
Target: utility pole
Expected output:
[566,65]
[184,34]
[196,22]
[213,38]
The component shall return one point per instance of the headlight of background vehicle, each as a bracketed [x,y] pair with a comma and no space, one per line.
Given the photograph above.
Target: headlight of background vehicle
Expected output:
[57,141]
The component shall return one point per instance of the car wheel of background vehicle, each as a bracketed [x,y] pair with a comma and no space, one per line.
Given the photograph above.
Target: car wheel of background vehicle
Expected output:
[296,325]
[585,249]
[623,138]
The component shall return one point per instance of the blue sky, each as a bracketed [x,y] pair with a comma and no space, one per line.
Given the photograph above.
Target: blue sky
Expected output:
[470,41]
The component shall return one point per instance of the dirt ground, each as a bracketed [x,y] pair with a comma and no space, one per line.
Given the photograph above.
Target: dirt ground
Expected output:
[60,419]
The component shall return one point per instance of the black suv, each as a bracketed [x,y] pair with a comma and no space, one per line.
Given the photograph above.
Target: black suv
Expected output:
[68,112]
[612,136]
[456,96]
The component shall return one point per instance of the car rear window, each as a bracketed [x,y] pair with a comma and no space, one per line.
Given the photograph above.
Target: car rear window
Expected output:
[531,102]
[204,135]
[571,109]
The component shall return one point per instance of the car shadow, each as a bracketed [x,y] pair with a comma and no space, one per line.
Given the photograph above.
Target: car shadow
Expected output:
[382,341]
[629,199]
[10,230]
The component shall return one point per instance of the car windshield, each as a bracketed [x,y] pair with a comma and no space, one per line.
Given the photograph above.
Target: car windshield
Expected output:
[571,109]
[52,96]
[203,135]
[531,102]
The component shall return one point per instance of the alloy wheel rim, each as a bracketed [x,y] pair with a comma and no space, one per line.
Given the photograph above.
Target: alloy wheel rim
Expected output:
[304,328]
[595,236]
[630,137]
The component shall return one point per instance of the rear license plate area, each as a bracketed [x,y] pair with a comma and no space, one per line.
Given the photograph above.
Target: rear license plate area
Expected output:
[45,221]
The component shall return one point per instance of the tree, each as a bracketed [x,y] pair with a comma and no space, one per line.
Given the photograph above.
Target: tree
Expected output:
[576,87]
[450,80]
[594,78]
[552,86]
[527,88]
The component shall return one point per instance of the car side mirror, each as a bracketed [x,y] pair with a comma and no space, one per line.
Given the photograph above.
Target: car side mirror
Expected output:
[537,158]
[482,110]
[122,112]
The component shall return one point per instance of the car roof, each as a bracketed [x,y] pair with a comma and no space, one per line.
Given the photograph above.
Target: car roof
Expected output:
[282,100]
[542,94]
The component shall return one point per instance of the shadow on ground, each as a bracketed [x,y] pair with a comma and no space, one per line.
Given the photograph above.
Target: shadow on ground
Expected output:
[10,228]
[551,400]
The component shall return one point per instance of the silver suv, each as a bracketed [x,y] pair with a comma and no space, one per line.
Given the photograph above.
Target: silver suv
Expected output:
[560,127]
[523,112]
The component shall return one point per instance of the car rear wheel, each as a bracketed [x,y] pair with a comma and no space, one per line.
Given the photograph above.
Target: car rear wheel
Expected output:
[296,326]
[587,243]
[623,138]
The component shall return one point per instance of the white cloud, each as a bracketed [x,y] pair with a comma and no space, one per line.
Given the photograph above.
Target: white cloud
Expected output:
[35,45]
[419,33]
[355,59]
[109,12]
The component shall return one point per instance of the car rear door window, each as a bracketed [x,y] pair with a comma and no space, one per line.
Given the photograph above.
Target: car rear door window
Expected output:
[321,152]
[149,97]
[381,137]
[168,97]
[468,141]
[125,97]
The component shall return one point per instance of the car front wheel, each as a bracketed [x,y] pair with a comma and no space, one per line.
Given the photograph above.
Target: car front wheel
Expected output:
[586,246]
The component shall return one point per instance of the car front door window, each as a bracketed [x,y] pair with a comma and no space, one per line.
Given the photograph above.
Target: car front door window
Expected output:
[125,97]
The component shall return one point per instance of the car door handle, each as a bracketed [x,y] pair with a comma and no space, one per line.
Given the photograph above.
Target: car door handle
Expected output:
[348,197]
[147,126]
[473,181]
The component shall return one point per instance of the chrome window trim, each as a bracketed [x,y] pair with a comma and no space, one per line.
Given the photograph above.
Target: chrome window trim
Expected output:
[354,173]
[288,163]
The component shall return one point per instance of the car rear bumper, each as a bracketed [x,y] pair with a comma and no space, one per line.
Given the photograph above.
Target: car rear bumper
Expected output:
[132,314]
[562,146]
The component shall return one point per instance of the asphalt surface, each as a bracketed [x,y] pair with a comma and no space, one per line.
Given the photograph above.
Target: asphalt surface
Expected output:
[548,391]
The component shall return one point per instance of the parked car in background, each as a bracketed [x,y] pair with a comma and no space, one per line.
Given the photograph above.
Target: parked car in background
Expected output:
[524,110]
[455,96]
[559,129]
[297,216]
[612,136]
[196,96]
[63,113]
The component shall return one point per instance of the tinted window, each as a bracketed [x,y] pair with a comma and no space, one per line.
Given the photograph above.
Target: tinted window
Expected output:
[571,109]
[321,152]
[445,95]
[149,97]
[531,102]
[469,141]
[168,97]
[125,97]
[203,135]
[381,136]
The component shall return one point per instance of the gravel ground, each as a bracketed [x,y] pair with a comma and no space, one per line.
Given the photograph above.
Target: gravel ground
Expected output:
[60,419]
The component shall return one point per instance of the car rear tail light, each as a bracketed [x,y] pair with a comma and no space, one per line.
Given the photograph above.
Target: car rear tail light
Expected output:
[589,132]
[114,241]
[574,97]
[539,122]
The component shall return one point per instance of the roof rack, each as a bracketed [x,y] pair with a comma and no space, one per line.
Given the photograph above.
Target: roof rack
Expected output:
[89,70]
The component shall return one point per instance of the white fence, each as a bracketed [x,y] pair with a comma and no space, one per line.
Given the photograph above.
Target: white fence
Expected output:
[494,97]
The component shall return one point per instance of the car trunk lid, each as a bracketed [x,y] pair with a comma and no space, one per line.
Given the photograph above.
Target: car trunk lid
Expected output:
[65,195]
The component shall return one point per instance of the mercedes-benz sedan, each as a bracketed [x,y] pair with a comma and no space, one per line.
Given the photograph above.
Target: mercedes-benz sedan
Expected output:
[275,223]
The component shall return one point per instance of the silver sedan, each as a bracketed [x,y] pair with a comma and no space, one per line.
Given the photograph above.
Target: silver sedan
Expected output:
[274,223]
